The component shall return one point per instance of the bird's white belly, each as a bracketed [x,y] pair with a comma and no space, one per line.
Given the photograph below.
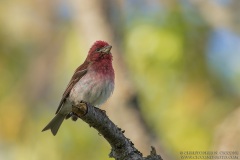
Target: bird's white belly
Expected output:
[92,88]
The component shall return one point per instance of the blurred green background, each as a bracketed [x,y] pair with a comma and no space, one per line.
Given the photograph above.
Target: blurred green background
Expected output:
[183,58]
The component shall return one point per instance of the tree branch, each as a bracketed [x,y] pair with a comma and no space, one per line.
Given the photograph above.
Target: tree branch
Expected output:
[122,147]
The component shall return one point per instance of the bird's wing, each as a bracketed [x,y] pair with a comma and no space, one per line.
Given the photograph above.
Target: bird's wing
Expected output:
[78,74]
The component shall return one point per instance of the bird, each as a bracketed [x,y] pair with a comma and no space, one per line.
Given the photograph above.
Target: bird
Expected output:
[92,82]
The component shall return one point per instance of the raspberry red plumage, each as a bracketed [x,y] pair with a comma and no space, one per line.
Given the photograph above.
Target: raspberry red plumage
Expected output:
[92,82]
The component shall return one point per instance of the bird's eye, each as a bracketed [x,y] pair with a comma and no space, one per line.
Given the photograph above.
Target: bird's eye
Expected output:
[98,49]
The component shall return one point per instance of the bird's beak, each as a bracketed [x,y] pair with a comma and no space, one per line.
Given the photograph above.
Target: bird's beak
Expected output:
[106,49]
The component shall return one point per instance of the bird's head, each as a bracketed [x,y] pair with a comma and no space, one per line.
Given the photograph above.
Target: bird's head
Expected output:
[100,50]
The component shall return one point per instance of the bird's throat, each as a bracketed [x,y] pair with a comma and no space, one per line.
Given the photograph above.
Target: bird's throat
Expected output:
[104,67]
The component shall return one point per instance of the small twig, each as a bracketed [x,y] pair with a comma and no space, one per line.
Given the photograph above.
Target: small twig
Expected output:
[122,147]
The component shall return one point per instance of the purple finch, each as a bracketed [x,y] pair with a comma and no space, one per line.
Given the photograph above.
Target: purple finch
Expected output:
[92,82]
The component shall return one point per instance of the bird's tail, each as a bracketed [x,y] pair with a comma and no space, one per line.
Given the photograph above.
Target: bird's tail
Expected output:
[55,123]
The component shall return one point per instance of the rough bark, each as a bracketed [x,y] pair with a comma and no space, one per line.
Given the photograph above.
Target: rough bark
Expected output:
[122,147]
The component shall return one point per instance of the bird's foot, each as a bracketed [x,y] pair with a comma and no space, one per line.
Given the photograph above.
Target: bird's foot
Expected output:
[83,102]
[79,110]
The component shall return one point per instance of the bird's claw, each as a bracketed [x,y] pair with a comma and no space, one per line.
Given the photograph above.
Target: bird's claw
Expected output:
[83,102]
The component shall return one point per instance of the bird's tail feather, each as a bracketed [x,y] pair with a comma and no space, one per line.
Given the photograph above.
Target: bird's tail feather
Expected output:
[55,123]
